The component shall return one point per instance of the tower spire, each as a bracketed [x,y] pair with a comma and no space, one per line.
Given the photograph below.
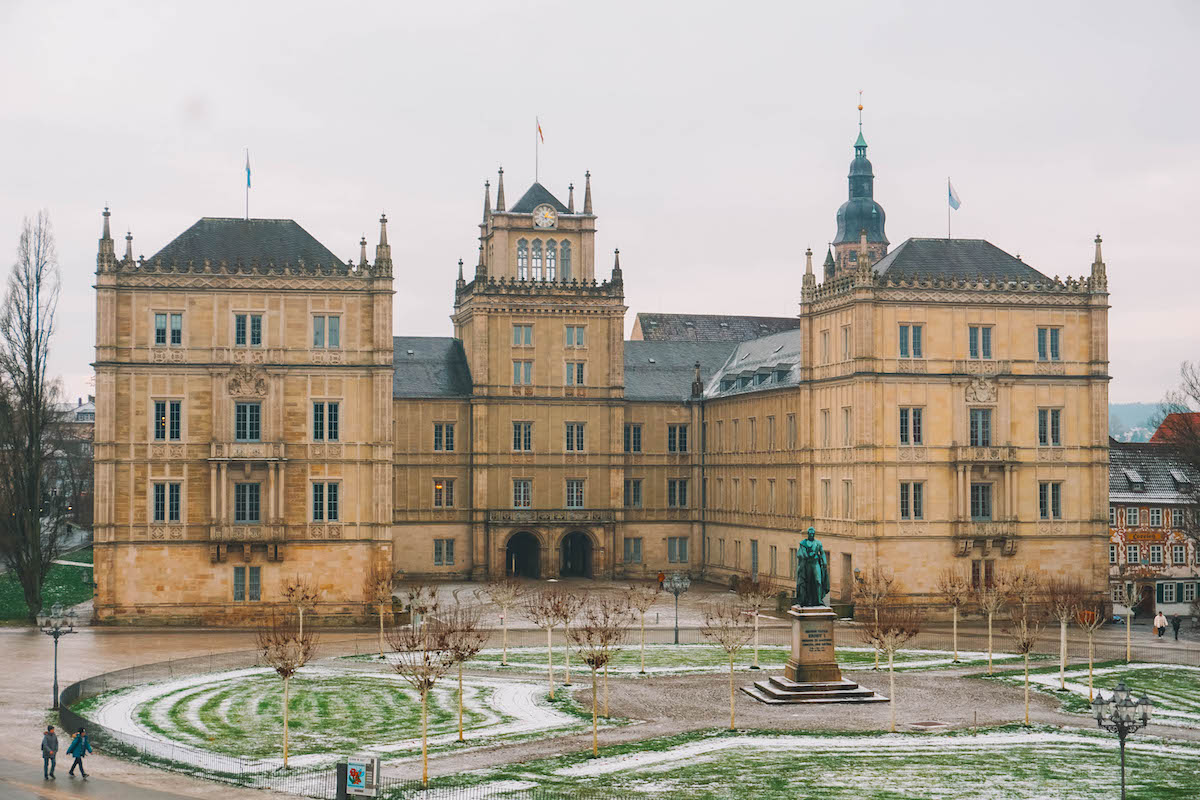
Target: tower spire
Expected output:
[1099,272]
[129,245]
[500,191]
[587,192]
[383,250]
[106,235]
[105,257]
[617,276]
[362,254]
[809,279]
[571,199]
[487,201]
[860,107]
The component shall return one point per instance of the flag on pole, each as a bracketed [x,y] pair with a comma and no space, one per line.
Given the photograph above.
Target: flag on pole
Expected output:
[954,201]
[539,129]
[247,169]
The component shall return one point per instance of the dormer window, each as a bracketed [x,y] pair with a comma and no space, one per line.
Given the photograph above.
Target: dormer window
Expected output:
[761,378]
[1136,482]
[1182,484]
[781,375]
[727,384]
[744,381]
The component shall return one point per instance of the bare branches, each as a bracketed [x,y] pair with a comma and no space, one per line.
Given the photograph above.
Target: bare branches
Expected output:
[301,595]
[955,588]
[597,635]
[991,596]
[466,640]
[872,590]
[285,649]
[726,625]
[1024,629]
[1026,585]
[542,608]
[379,584]
[893,627]
[1065,597]
[506,593]
[641,599]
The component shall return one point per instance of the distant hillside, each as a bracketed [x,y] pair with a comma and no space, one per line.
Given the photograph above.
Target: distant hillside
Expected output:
[1133,422]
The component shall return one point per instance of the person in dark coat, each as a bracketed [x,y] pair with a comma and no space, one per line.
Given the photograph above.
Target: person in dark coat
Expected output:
[49,752]
[79,747]
[1176,621]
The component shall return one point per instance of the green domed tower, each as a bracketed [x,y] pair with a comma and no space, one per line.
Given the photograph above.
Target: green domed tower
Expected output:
[860,213]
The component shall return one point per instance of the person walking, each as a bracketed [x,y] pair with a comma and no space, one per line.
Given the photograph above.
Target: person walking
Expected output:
[1176,621]
[49,752]
[1160,624]
[79,747]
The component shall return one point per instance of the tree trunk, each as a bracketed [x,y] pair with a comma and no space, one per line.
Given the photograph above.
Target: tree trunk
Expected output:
[1062,654]
[285,722]
[504,627]
[381,630]
[732,726]
[567,655]
[643,642]
[606,690]
[424,737]
[460,703]
[892,686]
[876,646]
[1128,633]
[595,738]
[1091,652]
[755,665]
[989,642]
[1026,688]
[550,659]
[955,615]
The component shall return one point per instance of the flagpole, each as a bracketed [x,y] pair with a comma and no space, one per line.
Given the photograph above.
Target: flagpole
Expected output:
[536,136]
[947,208]
[247,184]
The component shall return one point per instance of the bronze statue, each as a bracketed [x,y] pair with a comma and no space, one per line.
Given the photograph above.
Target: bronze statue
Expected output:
[812,571]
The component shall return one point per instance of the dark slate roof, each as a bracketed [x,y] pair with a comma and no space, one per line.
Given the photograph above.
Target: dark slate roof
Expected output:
[1154,464]
[429,366]
[768,363]
[956,258]
[710,327]
[665,370]
[265,241]
[534,196]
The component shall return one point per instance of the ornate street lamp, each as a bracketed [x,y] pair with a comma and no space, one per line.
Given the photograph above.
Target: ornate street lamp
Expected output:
[677,584]
[56,624]
[1122,715]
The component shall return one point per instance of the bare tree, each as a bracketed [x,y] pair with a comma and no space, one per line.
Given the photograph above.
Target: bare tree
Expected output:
[641,598]
[285,649]
[1025,628]
[601,627]
[378,588]
[873,589]
[542,608]
[30,421]
[301,595]
[1123,594]
[567,607]
[1091,616]
[424,653]
[726,625]
[755,596]
[1064,598]
[955,588]
[991,596]
[466,640]
[421,601]
[506,593]
[894,626]
[1026,585]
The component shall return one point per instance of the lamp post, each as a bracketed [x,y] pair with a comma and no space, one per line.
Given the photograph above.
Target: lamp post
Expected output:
[677,584]
[56,624]
[1122,715]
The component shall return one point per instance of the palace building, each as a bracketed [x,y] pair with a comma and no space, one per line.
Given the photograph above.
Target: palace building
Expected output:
[938,404]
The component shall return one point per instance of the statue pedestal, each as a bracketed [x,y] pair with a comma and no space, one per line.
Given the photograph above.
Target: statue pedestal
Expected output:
[811,675]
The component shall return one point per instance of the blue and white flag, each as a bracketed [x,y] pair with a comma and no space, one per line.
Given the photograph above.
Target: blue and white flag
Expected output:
[954,201]
[248,172]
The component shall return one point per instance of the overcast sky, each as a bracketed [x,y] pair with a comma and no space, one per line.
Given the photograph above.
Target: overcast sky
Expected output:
[718,137]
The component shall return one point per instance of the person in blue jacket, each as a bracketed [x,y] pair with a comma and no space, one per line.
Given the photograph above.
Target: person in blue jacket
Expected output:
[79,747]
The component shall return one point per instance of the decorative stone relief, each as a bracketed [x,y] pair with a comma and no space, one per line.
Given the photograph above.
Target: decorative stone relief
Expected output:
[1052,527]
[176,532]
[912,365]
[913,454]
[1050,454]
[156,533]
[247,382]
[316,531]
[1050,368]
[334,451]
[981,390]
[328,357]
[168,356]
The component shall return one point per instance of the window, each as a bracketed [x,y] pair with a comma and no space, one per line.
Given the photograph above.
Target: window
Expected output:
[677,438]
[1177,518]
[910,341]
[247,330]
[536,260]
[1131,517]
[167,506]
[566,261]
[720,434]
[912,500]
[522,493]
[243,592]
[825,498]
[1156,554]
[574,493]
[551,260]
[326,421]
[980,434]
[1156,518]
[845,343]
[443,493]
[522,373]
[1189,592]
[325,502]
[633,493]
[791,496]
[753,443]
[1112,516]
[824,347]
[1168,592]
[160,330]
[677,493]
[736,495]
[979,341]
[754,495]
[443,436]
[1132,554]
[770,495]
[443,552]
[522,336]
[327,332]
[1048,344]
[247,422]
[847,428]
[574,373]
[981,501]
[910,426]
[633,438]
[246,502]
[1050,427]
[168,420]
[848,499]
[677,549]
[791,423]
[753,559]
[983,572]
[575,436]
[1112,554]
[523,436]
[825,427]
[1050,500]
[734,437]
[1178,554]
[575,336]
[772,556]
[633,550]
[721,552]
[770,433]
[522,260]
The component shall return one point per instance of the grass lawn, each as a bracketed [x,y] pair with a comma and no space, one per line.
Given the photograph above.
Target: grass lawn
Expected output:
[83,556]
[1009,763]
[64,584]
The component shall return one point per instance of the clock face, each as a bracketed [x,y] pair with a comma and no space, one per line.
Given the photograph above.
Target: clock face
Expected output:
[544,217]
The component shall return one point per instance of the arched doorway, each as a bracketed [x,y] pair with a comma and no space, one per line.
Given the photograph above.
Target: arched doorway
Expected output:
[1145,606]
[576,555]
[521,555]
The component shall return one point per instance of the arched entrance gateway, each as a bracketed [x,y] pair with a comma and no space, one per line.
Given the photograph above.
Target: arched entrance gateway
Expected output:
[576,555]
[522,555]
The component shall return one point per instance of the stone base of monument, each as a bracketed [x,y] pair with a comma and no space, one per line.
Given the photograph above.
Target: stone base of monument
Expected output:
[811,675]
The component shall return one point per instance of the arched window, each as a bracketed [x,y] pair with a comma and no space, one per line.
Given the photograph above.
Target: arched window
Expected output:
[523,259]
[551,260]
[564,261]
[537,259]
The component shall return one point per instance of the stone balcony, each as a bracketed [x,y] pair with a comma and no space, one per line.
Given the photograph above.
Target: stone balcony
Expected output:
[551,516]
[247,451]
[987,535]
[995,454]
[242,532]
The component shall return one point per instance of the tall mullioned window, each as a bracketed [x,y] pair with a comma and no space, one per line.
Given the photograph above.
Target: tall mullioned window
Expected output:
[247,422]
[522,260]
